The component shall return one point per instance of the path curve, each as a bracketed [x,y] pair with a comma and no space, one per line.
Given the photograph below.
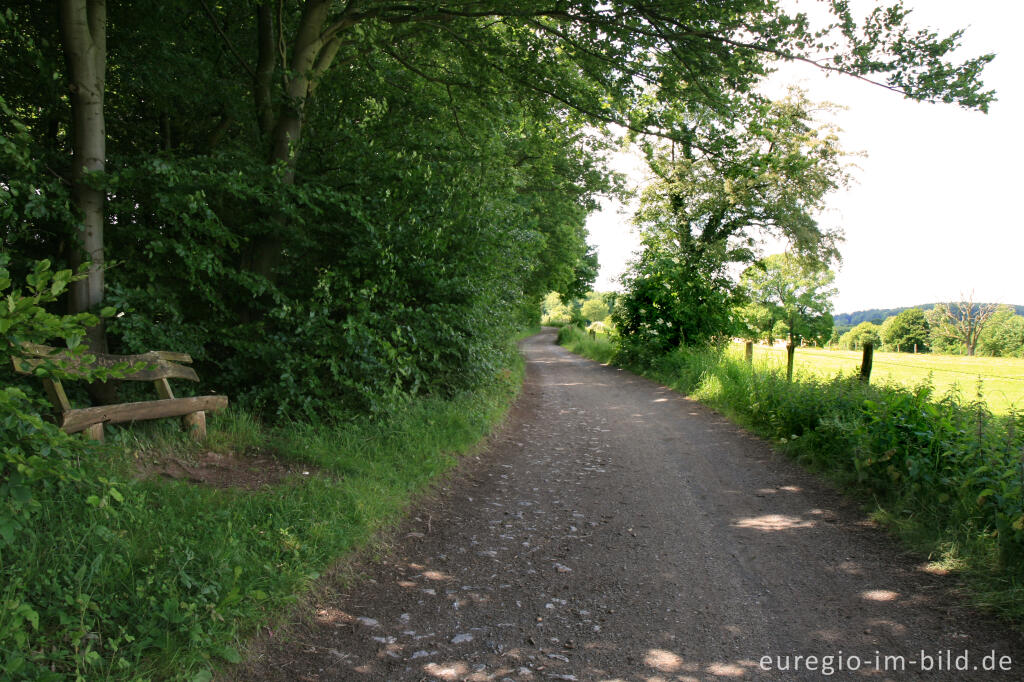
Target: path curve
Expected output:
[615,530]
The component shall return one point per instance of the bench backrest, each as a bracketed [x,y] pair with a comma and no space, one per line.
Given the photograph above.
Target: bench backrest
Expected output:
[152,366]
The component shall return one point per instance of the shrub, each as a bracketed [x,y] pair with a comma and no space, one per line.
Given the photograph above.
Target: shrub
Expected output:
[950,469]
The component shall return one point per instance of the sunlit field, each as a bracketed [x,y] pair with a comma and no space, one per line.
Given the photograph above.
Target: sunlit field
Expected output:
[1001,379]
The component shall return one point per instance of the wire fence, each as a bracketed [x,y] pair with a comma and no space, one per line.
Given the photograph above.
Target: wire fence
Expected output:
[880,363]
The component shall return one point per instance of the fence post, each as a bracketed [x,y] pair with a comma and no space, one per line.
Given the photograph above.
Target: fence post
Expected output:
[748,352]
[790,350]
[865,364]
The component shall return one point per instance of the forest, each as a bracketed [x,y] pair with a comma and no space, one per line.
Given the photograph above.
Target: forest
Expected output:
[343,212]
[334,205]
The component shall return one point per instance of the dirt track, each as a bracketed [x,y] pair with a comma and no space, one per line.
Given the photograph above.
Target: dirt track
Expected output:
[616,530]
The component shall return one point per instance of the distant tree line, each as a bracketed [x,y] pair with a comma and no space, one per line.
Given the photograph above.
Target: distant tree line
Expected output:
[961,327]
[847,321]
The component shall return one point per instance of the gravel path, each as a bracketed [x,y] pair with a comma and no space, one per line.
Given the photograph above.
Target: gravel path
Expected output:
[615,530]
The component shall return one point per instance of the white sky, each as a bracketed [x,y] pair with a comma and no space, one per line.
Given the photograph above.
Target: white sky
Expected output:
[934,210]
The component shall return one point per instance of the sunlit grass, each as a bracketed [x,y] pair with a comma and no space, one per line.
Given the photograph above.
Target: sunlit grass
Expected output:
[1001,380]
[942,474]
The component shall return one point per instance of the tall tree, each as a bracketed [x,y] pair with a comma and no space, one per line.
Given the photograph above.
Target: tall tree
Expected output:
[84,34]
[906,331]
[799,290]
[1003,336]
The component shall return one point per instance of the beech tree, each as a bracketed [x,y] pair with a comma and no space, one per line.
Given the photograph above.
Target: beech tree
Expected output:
[646,66]
[84,37]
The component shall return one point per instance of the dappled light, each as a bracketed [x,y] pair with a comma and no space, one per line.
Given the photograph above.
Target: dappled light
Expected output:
[329,615]
[446,671]
[729,669]
[773,522]
[880,595]
[850,567]
[665,661]
[782,488]
[888,625]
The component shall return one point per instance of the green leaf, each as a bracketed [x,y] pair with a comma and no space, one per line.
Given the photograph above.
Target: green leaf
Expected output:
[21,494]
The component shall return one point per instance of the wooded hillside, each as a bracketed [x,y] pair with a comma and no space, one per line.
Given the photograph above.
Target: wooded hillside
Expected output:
[855,318]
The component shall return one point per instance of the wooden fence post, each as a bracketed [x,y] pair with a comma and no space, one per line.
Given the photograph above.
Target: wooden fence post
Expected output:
[790,350]
[748,352]
[865,364]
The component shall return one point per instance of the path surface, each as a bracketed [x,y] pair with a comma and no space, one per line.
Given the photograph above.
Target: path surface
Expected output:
[618,531]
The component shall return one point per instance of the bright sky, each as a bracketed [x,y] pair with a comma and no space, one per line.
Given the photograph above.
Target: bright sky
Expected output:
[935,208]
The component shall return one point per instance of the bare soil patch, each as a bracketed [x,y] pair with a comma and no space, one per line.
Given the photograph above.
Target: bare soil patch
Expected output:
[223,470]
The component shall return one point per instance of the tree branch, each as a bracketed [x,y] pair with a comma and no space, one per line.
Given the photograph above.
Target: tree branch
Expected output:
[227,41]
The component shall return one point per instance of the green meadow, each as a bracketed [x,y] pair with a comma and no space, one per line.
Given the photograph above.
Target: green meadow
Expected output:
[1000,380]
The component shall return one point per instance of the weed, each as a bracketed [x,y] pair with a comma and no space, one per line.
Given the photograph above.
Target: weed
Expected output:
[111,577]
[945,474]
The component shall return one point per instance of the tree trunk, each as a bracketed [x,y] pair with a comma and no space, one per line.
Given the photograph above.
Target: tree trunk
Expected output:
[265,64]
[312,54]
[84,33]
[83,27]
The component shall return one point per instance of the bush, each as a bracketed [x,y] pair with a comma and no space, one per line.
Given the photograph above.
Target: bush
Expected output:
[949,461]
[948,472]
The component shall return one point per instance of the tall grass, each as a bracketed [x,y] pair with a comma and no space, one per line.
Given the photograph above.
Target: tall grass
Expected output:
[597,347]
[947,475]
[140,579]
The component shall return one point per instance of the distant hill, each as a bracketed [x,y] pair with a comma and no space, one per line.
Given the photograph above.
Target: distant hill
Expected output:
[878,315]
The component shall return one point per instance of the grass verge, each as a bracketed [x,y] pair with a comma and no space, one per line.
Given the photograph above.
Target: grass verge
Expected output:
[119,578]
[946,476]
[596,347]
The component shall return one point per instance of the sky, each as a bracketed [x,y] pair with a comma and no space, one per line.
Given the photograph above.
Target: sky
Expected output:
[934,210]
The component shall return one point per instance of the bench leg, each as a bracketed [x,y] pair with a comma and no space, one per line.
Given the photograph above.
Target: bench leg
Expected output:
[195,424]
[94,432]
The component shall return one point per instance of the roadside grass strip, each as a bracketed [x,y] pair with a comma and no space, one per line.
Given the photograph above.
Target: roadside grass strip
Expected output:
[943,472]
[123,578]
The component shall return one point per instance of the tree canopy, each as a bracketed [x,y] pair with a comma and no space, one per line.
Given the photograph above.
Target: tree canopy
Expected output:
[794,291]
[341,203]
[906,332]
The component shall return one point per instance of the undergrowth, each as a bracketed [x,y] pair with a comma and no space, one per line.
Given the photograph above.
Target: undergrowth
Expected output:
[943,473]
[596,347]
[112,577]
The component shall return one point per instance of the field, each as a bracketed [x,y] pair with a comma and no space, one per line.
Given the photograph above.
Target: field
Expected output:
[1001,379]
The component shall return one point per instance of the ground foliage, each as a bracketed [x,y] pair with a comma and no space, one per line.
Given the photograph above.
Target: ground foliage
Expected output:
[945,473]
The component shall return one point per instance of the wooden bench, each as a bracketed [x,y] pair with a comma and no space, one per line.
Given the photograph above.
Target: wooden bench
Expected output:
[156,366]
